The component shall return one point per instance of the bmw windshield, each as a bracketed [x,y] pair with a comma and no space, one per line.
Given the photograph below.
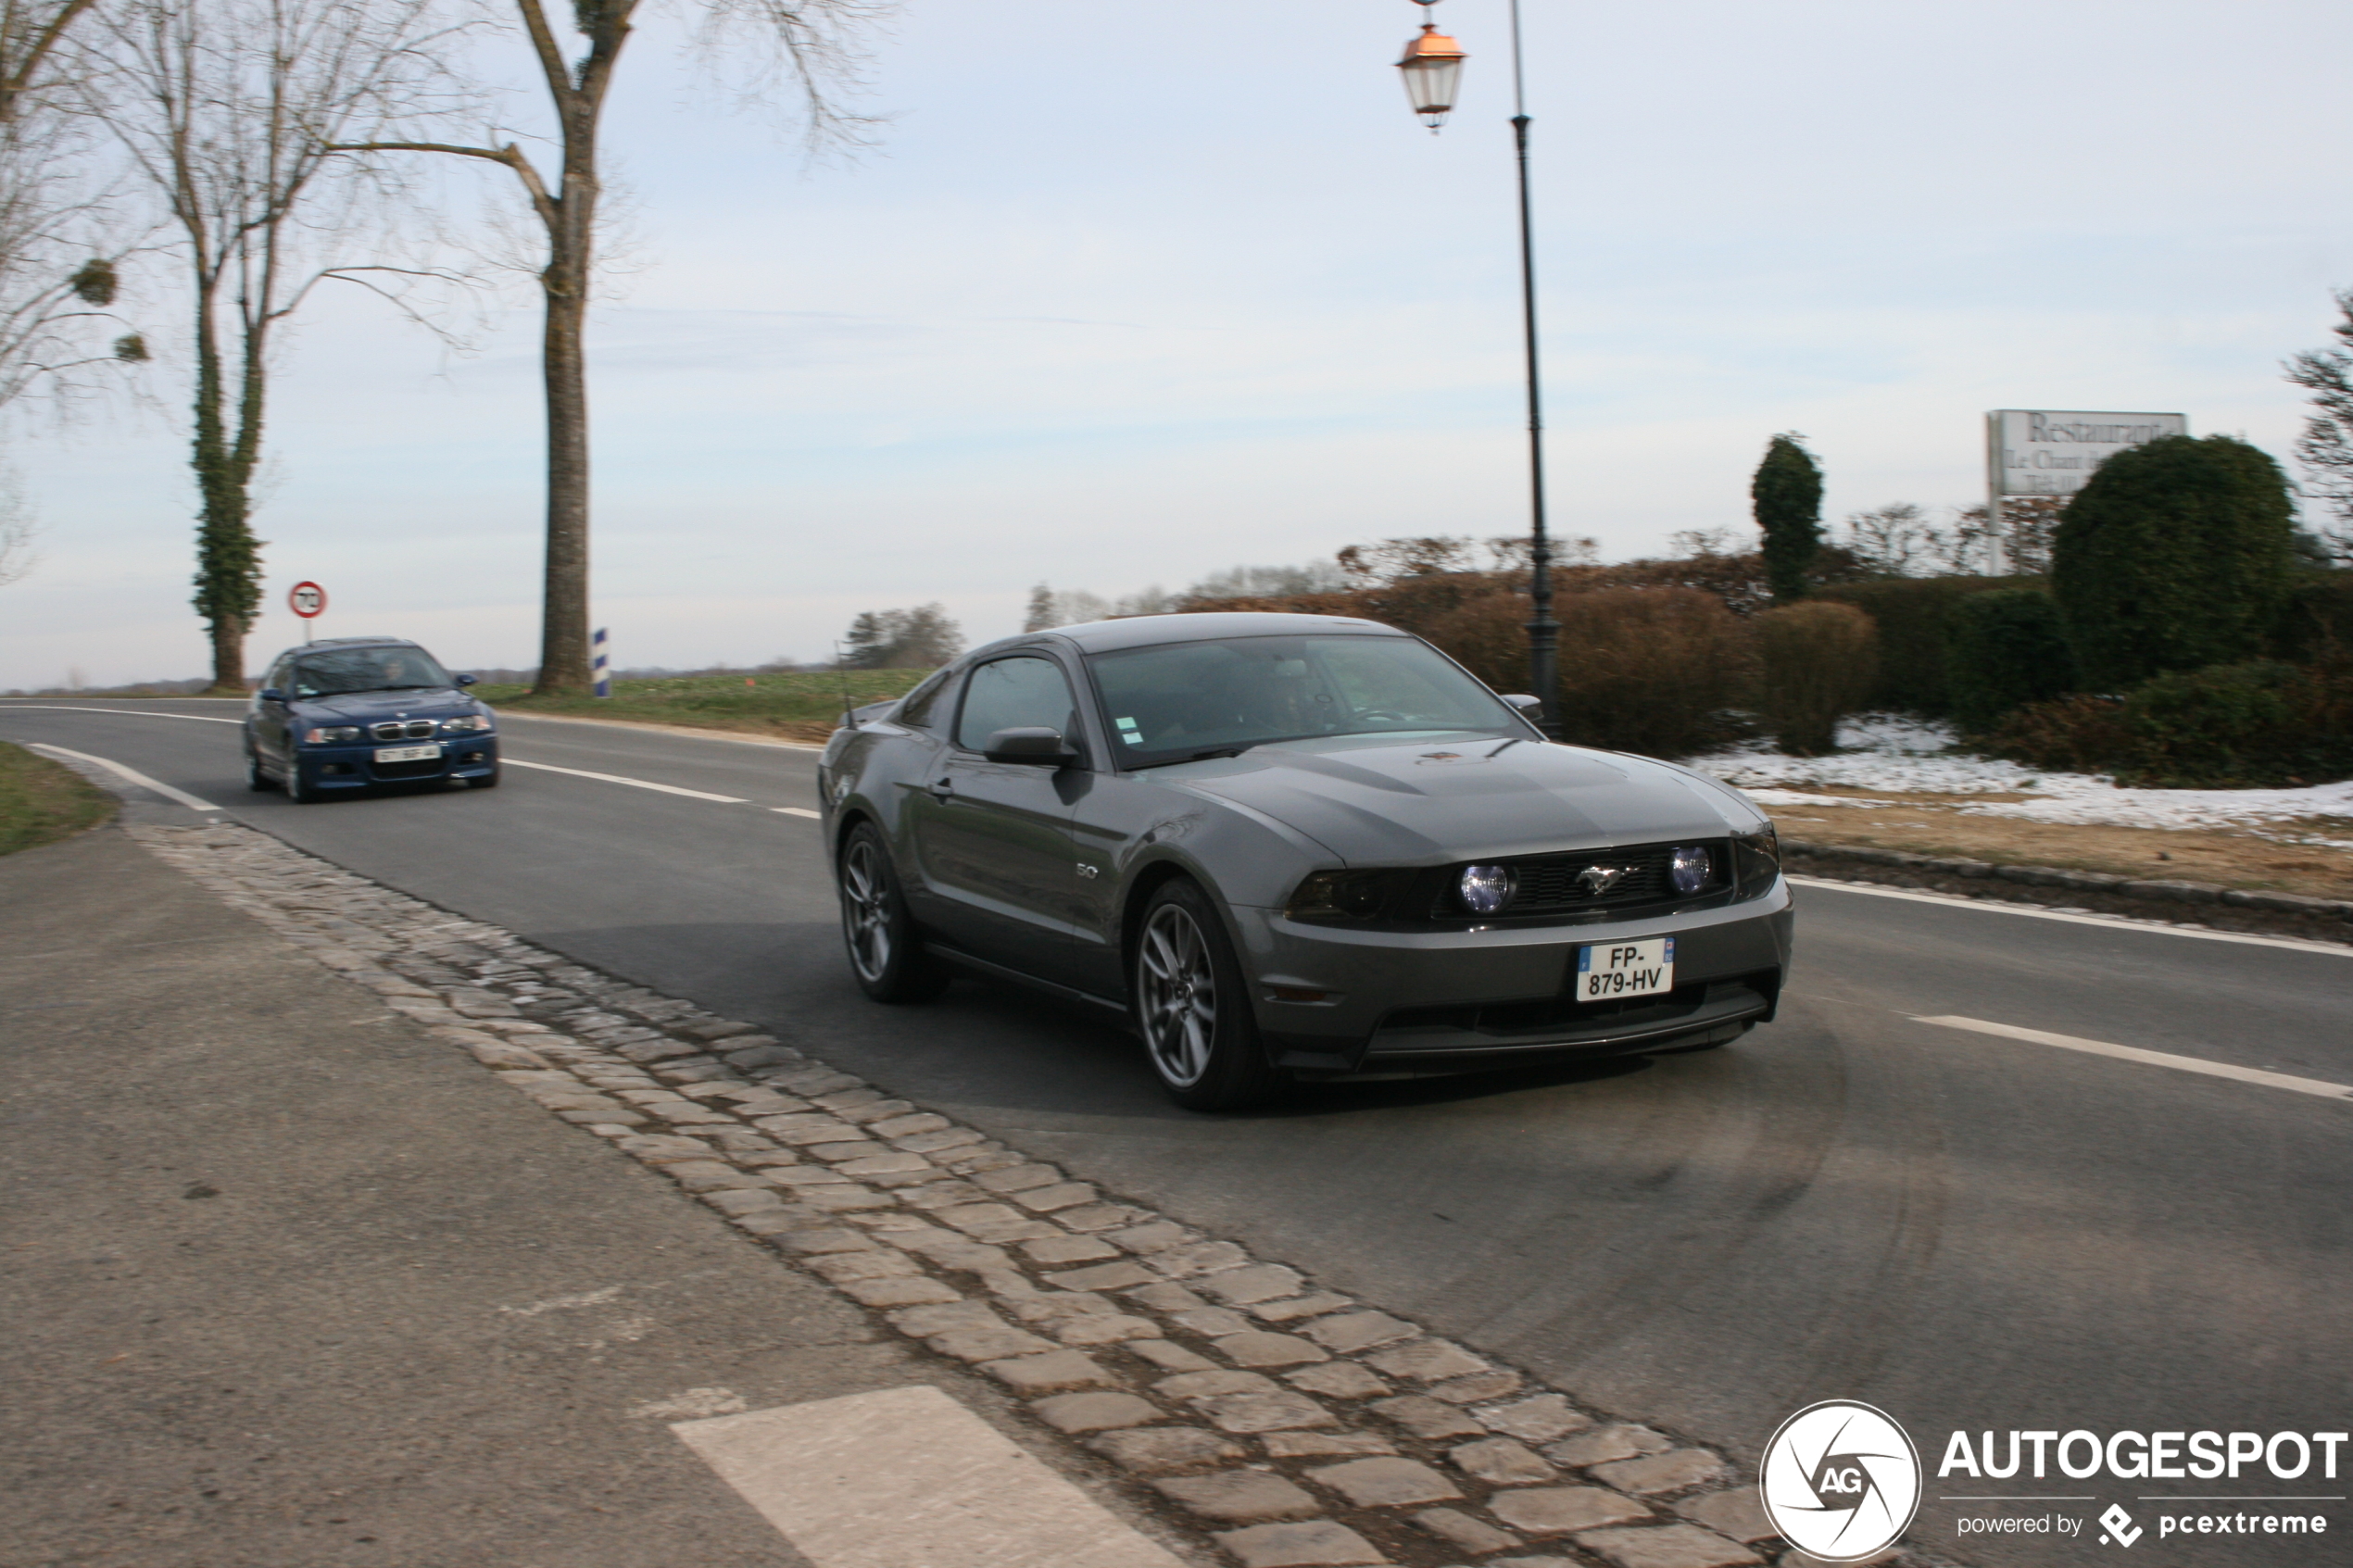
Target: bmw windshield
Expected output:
[367,669]
[1179,702]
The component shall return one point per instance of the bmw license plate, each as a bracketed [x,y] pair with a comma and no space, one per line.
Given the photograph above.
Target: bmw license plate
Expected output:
[407,753]
[1625,968]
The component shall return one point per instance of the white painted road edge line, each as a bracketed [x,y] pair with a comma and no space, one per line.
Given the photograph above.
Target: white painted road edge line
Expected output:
[182,796]
[797,812]
[2115,923]
[2152,1058]
[126,712]
[634,784]
[689,729]
[907,1476]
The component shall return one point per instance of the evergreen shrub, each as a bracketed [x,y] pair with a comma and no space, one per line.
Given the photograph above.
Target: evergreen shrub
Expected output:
[1819,661]
[1914,616]
[2176,555]
[2006,649]
[2259,725]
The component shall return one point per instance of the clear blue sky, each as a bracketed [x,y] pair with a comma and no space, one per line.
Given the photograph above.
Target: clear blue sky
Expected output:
[1131,293]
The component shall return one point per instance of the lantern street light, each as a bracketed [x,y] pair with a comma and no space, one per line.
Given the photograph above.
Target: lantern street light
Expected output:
[1432,65]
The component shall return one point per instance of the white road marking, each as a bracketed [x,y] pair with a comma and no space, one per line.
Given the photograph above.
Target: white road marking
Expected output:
[797,812]
[693,1404]
[566,1303]
[182,796]
[909,1478]
[694,731]
[2152,1058]
[634,783]
[127,712]
[2119,922]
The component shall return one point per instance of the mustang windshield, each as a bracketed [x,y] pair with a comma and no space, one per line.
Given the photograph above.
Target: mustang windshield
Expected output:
[1181,700]
[367,670]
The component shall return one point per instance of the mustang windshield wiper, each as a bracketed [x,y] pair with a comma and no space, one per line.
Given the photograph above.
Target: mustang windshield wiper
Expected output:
[1197,755]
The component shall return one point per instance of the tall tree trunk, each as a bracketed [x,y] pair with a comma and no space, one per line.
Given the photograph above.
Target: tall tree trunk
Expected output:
[228,557]
[563,632]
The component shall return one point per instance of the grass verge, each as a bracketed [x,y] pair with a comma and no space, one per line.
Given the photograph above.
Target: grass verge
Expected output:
[41,802]
[796,706]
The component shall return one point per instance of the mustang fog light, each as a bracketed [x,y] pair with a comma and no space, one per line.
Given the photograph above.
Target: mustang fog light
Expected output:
[1690,868]
[1485,889]
[332,734]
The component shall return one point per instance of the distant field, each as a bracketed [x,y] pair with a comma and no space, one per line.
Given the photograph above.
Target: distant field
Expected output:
[799,706]
[41,802]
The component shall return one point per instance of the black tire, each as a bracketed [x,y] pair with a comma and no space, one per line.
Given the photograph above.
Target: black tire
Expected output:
[1191,1004]
[299,790]
[484,781]
[886,952]
[256,779]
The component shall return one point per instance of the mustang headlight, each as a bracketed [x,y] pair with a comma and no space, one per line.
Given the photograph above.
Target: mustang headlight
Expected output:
[1485,889]
[468,723]
[332,735]
[1348,894]
[1756,858]
[1690,868]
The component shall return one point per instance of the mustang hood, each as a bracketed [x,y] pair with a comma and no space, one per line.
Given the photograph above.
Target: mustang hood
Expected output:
[1383,803]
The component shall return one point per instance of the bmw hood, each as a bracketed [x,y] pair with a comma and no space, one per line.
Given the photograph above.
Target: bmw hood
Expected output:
[360,708]
[1380,802]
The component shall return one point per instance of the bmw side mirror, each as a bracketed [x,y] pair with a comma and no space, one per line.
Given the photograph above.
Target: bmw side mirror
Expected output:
[468,679]
[270,694]
[1036,745]
[1530,706]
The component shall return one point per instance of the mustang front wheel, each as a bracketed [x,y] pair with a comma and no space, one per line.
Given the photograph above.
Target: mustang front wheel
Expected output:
[1193,1005]
[885,952]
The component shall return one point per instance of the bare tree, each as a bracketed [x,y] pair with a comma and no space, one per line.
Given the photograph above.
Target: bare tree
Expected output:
[228,110]
[920,638]
[19,529]
[813,47]
[30,34]
[2326,446]
[1889,540]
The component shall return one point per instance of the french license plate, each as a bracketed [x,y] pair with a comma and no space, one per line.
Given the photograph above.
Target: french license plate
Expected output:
[1625,968]
[407,753]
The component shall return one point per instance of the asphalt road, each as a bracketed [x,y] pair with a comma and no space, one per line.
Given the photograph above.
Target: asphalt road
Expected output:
[1971,1232]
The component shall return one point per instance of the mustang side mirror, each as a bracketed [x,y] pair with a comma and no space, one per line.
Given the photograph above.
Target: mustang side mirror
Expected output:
[1526,704]
[1036,745]
[270,694]
[468,679]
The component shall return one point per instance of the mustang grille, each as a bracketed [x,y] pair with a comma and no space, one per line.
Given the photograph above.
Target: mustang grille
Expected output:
[1603,879]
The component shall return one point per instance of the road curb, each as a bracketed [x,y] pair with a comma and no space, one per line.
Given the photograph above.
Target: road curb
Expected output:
[1283,1425]
[2179,903]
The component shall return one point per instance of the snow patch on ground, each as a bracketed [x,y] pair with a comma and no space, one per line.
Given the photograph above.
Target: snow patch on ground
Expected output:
[1886,751]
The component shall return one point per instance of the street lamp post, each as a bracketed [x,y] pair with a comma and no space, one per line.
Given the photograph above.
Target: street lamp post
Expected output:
[1433,66]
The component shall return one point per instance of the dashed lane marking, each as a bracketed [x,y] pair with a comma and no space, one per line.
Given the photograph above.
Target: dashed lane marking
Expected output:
[634,783]
[2151,1058]
[2114,922]
[125,712]
[908,1476]
[796,811]
[182,796]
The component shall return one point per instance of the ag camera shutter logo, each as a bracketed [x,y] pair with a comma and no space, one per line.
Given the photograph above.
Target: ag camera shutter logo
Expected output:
[1841,1480]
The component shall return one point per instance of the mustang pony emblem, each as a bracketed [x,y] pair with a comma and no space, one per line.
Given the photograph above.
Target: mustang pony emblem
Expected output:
[1599,880]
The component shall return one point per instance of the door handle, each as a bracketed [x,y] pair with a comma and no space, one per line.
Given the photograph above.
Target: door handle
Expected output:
[945,789]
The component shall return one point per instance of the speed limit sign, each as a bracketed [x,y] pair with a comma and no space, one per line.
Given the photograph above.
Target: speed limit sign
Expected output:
[306,599]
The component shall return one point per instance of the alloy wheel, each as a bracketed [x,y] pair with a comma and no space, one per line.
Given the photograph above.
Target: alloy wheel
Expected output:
[865,911]
[1178,988]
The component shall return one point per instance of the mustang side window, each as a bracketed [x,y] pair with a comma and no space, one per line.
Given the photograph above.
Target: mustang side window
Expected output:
[1018,692]
[917,708]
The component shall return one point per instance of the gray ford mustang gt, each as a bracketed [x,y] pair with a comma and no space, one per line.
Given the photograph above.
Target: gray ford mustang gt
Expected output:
[1295,846]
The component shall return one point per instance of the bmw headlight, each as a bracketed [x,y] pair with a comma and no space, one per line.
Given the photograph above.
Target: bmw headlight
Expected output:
[469,722]
[332,735]
[1690,868]
[1485,889]
[1756,858]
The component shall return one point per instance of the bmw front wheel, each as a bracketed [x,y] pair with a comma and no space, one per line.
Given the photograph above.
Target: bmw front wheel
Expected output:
[256,779]
[1193,1005]
[886,954]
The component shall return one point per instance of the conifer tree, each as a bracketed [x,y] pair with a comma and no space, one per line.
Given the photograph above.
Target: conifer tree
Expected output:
[1787,496]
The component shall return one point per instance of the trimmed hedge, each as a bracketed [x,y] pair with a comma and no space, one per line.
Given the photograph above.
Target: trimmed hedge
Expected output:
[1914,616]
[2260,725]
[1819,660]
[2317,625]
[2177,554]
[2007,649]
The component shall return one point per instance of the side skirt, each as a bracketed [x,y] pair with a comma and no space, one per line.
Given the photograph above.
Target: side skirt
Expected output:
[1068,993]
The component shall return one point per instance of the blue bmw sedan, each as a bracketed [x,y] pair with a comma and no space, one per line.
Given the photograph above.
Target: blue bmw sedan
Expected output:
[349,712]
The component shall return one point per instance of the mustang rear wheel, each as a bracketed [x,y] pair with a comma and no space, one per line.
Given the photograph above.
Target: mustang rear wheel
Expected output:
[886,953]
[1193,1005]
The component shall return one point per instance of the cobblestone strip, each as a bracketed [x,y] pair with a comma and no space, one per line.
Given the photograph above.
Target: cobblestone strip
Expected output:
[1295,1426]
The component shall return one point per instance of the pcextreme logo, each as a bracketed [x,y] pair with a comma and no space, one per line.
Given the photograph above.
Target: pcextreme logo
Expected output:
[1841,1480]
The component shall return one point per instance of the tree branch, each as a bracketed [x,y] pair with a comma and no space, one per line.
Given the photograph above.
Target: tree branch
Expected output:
[511,155]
